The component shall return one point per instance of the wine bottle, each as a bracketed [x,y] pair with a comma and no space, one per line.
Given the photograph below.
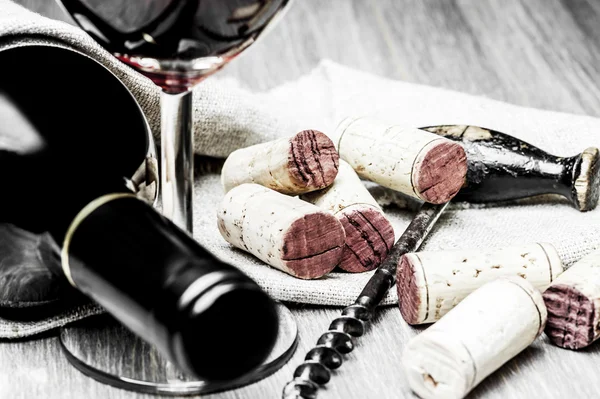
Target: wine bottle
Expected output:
[115,248]
[149,274]
[502,167]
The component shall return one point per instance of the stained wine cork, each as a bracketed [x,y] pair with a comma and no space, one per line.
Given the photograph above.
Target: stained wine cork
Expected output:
[573,302]
[430,284]
[305,162]
[488,328]
[369,234]
[287,233]
[415,162]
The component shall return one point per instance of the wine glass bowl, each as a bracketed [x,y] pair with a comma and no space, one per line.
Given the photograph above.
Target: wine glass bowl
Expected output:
[177,44]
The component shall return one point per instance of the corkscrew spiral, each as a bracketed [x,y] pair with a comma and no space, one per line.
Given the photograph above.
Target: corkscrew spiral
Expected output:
[327,355]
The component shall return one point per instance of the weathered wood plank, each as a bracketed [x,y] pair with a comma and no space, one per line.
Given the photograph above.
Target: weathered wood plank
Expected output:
[538,53]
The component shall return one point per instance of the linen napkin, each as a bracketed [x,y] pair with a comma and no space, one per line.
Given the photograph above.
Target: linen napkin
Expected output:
[228,117]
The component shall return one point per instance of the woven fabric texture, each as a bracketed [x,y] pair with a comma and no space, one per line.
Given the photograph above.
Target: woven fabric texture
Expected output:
[228,116]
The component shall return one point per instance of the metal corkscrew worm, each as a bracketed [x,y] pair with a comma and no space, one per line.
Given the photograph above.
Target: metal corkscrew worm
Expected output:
[327,355]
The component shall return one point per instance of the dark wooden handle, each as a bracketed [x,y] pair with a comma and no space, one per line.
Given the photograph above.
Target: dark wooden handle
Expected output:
[502,167]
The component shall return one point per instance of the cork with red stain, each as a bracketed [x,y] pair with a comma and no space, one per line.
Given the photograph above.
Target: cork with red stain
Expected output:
[432,283]
[369,234]
[573,303]
[287,233]
[369,238]
[438,173]
[300,164]
[571,317]
[415,162]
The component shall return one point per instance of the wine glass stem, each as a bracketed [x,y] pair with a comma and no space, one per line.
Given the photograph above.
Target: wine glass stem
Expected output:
[177,154]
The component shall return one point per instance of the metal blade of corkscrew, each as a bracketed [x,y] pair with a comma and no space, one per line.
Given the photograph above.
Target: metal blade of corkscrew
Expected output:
[328,354]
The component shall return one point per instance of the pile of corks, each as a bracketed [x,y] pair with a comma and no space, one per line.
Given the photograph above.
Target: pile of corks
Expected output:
[299,205]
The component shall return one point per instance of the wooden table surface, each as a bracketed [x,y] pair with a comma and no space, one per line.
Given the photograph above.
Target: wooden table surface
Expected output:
[537,53]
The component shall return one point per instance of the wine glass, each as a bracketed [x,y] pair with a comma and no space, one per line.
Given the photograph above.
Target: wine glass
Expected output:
[177,44]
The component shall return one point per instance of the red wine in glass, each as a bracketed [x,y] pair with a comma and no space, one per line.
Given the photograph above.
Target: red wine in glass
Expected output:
[176,43]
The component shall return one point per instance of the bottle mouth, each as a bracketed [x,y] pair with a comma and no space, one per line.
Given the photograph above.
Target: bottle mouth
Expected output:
[227,331]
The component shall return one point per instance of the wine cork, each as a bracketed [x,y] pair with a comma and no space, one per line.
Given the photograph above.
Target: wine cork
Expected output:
[430,284]
[415,162]
[369,234]
[287,233]
[302,163]
[573,302]
[488,328]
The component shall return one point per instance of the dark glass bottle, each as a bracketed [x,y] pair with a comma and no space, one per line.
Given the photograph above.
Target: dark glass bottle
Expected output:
[68,179]
[502,167]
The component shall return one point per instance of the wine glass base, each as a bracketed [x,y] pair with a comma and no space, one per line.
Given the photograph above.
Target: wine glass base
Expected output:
[103,349]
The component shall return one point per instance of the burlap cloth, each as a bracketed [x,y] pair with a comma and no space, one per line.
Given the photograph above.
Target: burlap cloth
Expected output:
[228,117]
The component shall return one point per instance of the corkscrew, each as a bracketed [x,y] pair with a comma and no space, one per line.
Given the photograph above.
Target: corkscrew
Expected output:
[327,355]
[502,167]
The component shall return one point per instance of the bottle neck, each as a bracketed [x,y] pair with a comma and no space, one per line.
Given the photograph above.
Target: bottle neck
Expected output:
[159,282]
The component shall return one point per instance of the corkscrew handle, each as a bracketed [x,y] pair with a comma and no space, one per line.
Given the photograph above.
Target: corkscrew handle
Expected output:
[338,340]
[502,167]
